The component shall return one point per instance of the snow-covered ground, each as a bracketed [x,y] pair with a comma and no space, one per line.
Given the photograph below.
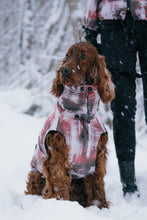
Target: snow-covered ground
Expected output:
[19,134]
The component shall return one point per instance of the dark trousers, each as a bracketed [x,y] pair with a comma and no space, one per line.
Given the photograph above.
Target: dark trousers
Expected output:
[120,43]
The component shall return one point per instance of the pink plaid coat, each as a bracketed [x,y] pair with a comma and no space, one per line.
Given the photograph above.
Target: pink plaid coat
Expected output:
[112,10]
[76,117]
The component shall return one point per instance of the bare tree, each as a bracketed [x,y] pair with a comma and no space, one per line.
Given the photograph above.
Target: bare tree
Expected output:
[26,36]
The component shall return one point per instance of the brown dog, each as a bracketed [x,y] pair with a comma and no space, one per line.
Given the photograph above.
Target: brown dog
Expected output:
[70,157]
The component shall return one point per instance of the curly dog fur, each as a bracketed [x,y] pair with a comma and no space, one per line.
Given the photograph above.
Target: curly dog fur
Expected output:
[58,182]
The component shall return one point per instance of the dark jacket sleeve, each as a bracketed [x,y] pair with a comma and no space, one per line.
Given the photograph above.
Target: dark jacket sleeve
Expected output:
[91,36]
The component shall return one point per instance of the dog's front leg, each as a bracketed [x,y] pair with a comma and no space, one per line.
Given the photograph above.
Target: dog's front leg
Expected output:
[57,182]
[57,168]
[94,184]
[100,171]
[47,192]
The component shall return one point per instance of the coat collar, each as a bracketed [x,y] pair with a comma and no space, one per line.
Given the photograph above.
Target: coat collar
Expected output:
[79,102]
[79,89]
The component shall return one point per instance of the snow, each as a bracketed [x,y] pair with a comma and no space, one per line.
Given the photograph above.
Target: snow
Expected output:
[19,134]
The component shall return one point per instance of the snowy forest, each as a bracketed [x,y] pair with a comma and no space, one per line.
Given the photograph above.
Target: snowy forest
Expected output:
[34,37]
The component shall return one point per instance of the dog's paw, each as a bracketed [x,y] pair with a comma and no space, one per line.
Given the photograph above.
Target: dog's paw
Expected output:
[46,193]
[100,204]
[103,205]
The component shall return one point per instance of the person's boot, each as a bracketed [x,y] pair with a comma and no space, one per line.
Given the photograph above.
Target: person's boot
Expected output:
[127,176]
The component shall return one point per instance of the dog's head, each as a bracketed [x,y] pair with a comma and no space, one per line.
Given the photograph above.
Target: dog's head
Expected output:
[83,65]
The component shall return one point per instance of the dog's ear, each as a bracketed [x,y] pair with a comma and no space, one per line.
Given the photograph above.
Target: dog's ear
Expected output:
[103,80]
[57,87]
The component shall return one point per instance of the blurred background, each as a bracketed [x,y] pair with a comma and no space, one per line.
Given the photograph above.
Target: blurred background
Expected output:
[34,37]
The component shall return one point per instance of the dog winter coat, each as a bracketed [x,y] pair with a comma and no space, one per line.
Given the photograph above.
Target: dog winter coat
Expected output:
[76,117]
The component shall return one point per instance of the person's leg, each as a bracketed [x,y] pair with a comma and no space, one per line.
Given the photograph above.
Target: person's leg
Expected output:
[120,60]
[141,28]
[124,109]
